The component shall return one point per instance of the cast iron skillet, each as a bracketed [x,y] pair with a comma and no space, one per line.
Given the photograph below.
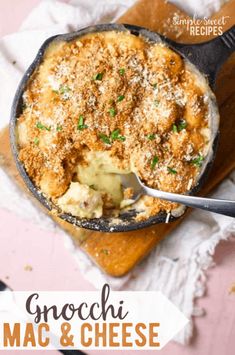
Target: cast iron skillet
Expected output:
[207,57]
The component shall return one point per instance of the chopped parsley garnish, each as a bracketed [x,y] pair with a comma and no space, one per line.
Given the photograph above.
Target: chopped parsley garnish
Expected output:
[39,125]
[104,138]
[115,135]
[81,124]
[36,140]
[59,128]
[121,138]
[122,71]
[120,98]
[155,86]
[64,89]
[112,112]
[171,170]
[98,76]
[151,136]
[154,162]
[182,125]
[198,161]
[104,251]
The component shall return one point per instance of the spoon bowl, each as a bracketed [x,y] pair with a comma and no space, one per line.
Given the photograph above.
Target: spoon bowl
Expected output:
[224,207]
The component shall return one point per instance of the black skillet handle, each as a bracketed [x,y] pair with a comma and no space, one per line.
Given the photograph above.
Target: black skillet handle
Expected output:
[209,56]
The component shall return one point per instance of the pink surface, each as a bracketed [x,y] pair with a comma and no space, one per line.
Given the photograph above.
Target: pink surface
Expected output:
[53,268]
[12,13]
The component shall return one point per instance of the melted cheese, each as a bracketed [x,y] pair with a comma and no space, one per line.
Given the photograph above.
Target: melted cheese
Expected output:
[82,201]
[101,173]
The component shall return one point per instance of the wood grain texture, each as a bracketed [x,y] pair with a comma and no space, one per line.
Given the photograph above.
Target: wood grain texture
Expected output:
[118,253]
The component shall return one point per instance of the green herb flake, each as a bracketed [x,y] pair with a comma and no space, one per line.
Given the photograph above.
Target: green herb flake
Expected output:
[81,124]
[151,136]
[154,162]
[121,138]
[198,161]
[122,71]
[155,86]
[104,138]
[182,125]
[112,112]
[98,76]
[115,135]
[120,98]
[81,120]
[171,170]
[39,125]
[104,251]
[64,89]
[36,140]
[59,128]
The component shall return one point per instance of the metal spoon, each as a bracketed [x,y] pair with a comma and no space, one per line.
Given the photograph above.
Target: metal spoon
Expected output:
[225,207]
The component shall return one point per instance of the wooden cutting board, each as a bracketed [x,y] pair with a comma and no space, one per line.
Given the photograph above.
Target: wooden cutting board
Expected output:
[118,253]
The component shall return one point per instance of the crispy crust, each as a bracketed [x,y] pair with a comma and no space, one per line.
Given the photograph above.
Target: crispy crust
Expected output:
[86,90]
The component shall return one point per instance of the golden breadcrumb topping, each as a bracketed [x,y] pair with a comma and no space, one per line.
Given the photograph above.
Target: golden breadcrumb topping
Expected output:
[115,93]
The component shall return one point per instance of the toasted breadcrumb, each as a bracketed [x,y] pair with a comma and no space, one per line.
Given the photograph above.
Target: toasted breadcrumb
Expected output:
[117,93]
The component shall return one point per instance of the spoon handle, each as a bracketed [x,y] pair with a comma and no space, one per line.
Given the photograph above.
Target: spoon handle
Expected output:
[225,207]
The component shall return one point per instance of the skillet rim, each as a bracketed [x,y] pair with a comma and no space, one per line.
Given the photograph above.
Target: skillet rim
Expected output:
[102,224]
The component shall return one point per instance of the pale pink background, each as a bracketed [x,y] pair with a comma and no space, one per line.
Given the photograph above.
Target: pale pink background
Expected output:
[22,243]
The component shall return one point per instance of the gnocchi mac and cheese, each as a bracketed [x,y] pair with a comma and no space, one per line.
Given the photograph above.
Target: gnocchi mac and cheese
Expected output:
[110,103]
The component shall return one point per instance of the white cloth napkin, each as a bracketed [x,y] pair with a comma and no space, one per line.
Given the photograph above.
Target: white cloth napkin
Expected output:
[177,266]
